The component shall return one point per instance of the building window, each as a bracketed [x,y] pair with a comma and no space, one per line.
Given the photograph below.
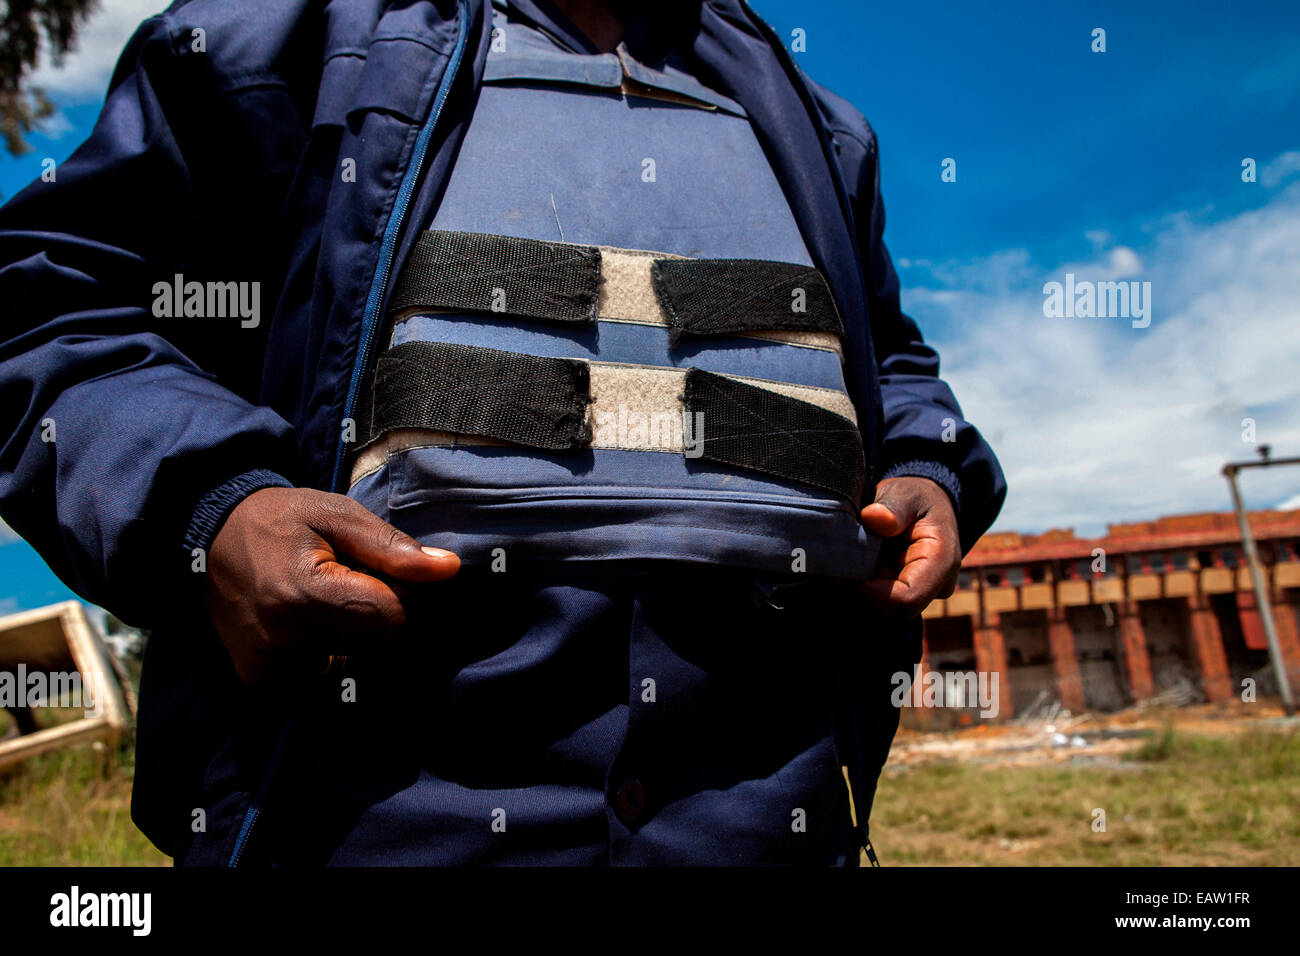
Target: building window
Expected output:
[1037,573]
[1181,560]
[1229,557]
[1157,563]
[993,579]
[964,581]
[1015,576]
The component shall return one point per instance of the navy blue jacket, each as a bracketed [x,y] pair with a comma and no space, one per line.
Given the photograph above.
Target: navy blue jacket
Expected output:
[222,153]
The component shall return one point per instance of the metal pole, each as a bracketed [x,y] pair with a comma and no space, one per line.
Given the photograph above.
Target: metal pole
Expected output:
[1261,593]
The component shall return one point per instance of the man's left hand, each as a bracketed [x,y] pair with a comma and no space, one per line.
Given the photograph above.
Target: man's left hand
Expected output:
[921,563]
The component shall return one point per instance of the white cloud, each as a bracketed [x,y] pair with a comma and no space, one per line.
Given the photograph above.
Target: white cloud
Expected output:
[85,70]
[1123,263]
[1280,168]
[7,534]
[1095,421]
[1278,76]
[58,126]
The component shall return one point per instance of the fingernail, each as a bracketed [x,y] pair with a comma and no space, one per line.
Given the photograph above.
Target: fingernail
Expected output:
[436,552]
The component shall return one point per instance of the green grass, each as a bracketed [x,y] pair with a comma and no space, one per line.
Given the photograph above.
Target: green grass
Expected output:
[1181,799]
[71,808]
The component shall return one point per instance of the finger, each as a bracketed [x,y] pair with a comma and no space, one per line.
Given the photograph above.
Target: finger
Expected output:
[924,575]
[895,509]
[888,594]
[894,558]
[346,611]
[882,521]
[922,578]
[364,536]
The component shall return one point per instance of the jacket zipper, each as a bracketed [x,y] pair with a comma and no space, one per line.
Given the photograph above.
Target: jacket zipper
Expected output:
[388,250]
[259,797]
[249,822]
[369,327]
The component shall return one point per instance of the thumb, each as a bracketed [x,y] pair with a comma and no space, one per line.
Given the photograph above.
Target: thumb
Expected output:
[890,514]
[364,536]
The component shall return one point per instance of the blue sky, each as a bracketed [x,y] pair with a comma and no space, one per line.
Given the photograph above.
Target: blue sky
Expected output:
[1047,134]
[1117,165]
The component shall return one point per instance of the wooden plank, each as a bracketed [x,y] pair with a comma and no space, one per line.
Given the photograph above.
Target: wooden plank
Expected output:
[52,738]
[55,639]
[92,661]
[35,638]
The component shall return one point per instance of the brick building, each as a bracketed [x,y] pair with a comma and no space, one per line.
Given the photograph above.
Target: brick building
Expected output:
[1102,623]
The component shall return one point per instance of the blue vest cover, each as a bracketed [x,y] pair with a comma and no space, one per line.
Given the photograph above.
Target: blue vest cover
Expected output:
[610,343]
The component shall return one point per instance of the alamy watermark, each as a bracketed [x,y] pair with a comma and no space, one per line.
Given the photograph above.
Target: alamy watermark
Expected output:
[947,689]
[629,428]
[133,911]
[1085,299]
[32,689]
[179,299]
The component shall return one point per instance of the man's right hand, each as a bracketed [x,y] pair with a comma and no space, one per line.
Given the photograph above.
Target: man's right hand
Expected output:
[280,594]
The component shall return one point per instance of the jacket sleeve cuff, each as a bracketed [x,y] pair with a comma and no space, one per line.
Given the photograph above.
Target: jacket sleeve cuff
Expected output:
[939,473]
[221,500]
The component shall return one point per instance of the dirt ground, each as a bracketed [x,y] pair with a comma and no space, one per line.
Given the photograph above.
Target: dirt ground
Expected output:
[1201,785]
[1083,738]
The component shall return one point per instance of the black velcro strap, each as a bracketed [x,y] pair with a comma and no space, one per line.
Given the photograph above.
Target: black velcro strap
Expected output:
[477,272]
[522,399]
[763,431]
[720,296]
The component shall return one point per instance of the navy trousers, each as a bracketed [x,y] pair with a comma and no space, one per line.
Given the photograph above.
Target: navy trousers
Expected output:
[660,718]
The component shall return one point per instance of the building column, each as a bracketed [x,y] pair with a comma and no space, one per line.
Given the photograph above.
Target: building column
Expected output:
[925,646]
[1207,646]
[1137,660]
[1288,635]
[923,716]
[1065,663]
[1252,622]
[991,657]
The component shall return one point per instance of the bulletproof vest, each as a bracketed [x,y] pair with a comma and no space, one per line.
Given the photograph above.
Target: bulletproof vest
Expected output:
[611,344]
